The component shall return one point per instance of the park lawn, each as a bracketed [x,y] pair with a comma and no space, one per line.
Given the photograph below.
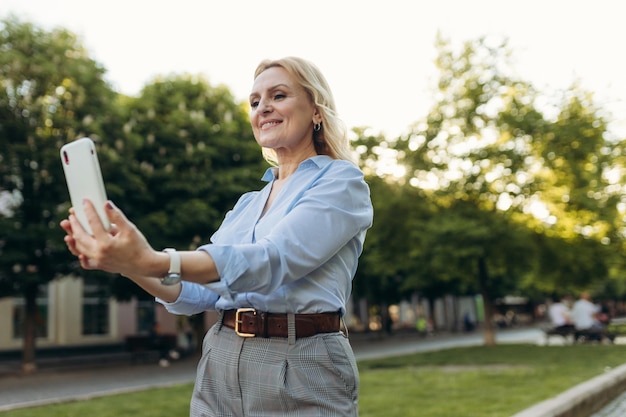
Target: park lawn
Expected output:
[478,381]
[460,382]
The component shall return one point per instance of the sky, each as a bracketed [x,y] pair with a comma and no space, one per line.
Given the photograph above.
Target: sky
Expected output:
[376,55]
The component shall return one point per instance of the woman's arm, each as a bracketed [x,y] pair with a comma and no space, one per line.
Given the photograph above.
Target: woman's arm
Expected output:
[126,251]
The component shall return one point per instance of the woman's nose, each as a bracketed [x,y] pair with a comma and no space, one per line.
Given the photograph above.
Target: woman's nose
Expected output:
[264,106]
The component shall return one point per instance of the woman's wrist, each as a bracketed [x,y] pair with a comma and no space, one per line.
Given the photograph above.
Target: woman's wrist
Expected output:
[154,264]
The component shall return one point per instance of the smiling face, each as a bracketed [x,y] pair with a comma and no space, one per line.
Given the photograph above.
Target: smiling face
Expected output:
[282,114]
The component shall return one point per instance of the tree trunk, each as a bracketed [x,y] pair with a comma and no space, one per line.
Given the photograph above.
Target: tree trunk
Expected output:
[31,319]
[489,333]
[431,313]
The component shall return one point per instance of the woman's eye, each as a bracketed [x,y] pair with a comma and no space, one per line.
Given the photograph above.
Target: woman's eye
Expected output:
[276,97]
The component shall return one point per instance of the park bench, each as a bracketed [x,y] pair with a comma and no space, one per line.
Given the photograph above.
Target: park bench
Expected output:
[567,333]
[570,335]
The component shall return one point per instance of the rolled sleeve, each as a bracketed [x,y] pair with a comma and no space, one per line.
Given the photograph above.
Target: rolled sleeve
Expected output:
[193,299]
[230,264]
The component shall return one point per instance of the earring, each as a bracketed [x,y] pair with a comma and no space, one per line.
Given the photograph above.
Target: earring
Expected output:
[317,127]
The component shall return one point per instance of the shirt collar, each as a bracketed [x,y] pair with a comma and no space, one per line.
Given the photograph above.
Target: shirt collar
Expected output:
[318,160]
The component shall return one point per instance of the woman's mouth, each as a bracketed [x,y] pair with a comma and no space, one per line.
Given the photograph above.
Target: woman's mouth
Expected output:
[269,124]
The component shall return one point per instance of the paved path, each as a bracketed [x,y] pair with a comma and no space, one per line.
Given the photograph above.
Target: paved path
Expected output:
[17,391]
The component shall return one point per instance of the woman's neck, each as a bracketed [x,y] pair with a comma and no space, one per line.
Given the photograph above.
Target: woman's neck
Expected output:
[288,164]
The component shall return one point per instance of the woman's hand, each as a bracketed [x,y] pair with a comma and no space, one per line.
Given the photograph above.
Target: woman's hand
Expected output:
[123,249]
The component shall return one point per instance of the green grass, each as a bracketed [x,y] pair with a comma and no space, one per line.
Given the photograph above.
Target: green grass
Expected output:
[156,402]
[462,382]
[478,381]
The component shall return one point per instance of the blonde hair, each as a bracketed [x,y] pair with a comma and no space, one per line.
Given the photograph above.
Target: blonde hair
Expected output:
[331,139]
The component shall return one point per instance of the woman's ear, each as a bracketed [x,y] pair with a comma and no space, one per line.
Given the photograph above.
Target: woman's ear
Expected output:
[317,117]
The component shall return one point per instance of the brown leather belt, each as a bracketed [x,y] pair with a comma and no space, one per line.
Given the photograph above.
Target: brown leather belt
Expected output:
[247,322]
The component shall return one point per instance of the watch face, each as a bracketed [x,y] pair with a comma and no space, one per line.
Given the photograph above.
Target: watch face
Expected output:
[170,279]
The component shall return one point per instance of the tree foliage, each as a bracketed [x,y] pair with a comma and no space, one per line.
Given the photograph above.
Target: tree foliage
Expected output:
[51,92]
[521,189]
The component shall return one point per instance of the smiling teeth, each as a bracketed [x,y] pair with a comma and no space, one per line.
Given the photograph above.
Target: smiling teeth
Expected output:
[264,125]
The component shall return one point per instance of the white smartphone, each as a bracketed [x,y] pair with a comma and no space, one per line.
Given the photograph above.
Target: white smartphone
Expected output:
[84,179]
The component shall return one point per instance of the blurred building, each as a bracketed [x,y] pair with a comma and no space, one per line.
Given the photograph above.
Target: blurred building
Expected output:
[76,312]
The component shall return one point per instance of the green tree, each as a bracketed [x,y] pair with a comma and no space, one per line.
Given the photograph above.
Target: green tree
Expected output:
[508,180]
[396,261]
[579,200]
[52,92]
[466,160]
[387,260]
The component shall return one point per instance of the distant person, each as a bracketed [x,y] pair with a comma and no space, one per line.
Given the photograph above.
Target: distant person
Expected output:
[560,314]
[468,323]
[420,325]
[585,313]
[388,324]
[430,326]
[585,318]
[500,320]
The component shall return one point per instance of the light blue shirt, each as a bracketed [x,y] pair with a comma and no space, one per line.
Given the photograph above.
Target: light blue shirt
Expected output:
[300,256]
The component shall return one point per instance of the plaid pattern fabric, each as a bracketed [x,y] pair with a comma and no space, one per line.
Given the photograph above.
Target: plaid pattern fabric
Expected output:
[311,377]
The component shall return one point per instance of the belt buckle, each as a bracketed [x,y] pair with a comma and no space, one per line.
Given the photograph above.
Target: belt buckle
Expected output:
[238,321]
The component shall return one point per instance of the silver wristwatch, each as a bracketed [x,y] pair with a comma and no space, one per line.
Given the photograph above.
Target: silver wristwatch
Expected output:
[173,274]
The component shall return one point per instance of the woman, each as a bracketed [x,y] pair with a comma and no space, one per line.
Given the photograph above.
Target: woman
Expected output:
[279,269]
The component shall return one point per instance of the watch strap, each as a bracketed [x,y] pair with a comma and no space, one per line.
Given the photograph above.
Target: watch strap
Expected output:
[173,275]
[174,261]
